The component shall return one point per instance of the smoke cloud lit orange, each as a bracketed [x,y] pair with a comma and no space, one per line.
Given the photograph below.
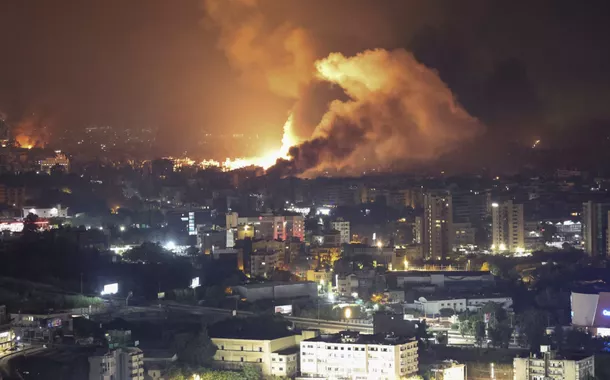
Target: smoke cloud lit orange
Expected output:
[399,113]
[277,58]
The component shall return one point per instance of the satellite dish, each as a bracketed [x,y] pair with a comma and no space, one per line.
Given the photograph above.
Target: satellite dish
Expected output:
[422,299]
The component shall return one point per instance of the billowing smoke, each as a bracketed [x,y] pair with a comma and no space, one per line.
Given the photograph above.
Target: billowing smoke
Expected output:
[399,114]
[279,58]
[395,114]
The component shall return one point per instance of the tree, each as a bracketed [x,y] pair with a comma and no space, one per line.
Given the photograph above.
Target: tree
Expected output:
[195,350]
[446,312]
[479,332]
[421,333]
[532,325]
[442,338]
[485,267]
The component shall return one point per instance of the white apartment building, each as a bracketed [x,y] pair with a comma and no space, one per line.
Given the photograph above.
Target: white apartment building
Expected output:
[350,355]
[548,365]
[508,229]
[344,228]
[42,212]
[120,364]
[433,307]
[263,262]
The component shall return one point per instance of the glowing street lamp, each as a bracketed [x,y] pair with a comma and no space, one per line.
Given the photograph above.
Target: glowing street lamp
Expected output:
[348,313]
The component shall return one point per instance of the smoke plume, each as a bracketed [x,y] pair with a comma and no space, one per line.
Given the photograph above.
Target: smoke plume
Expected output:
[399,114]
[279,58]
[394,112]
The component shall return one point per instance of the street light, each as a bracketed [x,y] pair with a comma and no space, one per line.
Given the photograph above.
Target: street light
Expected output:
[348,313]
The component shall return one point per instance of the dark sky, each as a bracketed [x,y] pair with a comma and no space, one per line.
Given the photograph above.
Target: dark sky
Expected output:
[525,68]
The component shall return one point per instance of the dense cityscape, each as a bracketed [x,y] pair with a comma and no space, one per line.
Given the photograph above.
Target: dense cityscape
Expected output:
[256,189]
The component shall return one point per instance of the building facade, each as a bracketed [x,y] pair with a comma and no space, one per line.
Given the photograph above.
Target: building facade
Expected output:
[438,225]
[121,364]
[350,355]
[275,357]
[595,227]
[508,229]
[548,365]
[344,228]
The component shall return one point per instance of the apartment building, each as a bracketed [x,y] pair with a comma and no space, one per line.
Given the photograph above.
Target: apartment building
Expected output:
[276,356]
[548,365]
[121,364]
[351,355]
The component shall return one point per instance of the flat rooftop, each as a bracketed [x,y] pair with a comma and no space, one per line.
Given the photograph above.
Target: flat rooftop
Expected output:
[448,273]
[351,337]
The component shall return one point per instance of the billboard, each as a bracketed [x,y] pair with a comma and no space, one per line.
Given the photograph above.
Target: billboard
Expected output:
[110,289]
[284,309]
[195,283]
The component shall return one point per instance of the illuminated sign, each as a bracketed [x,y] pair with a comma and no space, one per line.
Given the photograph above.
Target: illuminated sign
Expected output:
[195,283]
[606,313]
[284,309]
[56,322]
[110,289]
[191,225]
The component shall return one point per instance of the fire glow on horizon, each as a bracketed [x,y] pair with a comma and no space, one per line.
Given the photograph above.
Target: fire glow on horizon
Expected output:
[264,161]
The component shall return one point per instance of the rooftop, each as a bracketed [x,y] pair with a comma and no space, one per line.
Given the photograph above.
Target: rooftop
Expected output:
[353,337]
[288,351]
[448,273]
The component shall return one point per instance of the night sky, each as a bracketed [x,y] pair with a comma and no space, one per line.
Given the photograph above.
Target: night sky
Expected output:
[526,69]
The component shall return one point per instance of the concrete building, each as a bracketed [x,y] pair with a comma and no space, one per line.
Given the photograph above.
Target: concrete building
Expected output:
[350,355]
[344,228]
[549,365]
[41,212]
[464,234]
[263,262]
[595,228]
[418,230]
[508,228]
[449,370]
[120,364]
[41,327]
[441,279]
[7,337]
[470,207]
[438,225]
[276,356]
[431,306]
[59,160]
[277,290]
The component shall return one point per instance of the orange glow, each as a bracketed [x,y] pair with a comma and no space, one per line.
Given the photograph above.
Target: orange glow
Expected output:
[265,161]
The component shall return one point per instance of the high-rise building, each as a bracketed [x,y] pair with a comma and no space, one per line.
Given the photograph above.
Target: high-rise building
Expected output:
[350,355]
[595,217]
[418,230]
[548,365]
[470,207]
[438,225]
[121,364]
[343,227]
[507,227]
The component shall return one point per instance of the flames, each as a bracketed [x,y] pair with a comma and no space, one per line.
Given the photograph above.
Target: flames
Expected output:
[264,161]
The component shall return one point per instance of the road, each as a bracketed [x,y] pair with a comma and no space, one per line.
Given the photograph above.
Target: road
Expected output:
[22,350]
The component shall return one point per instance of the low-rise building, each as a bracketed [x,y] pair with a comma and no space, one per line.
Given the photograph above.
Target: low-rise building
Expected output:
[549,365]
[7,337]
[277,290]
[276,356]
[358,356]
[431,306]
[440,279]
[41,327]
[449,370]
[46,212]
